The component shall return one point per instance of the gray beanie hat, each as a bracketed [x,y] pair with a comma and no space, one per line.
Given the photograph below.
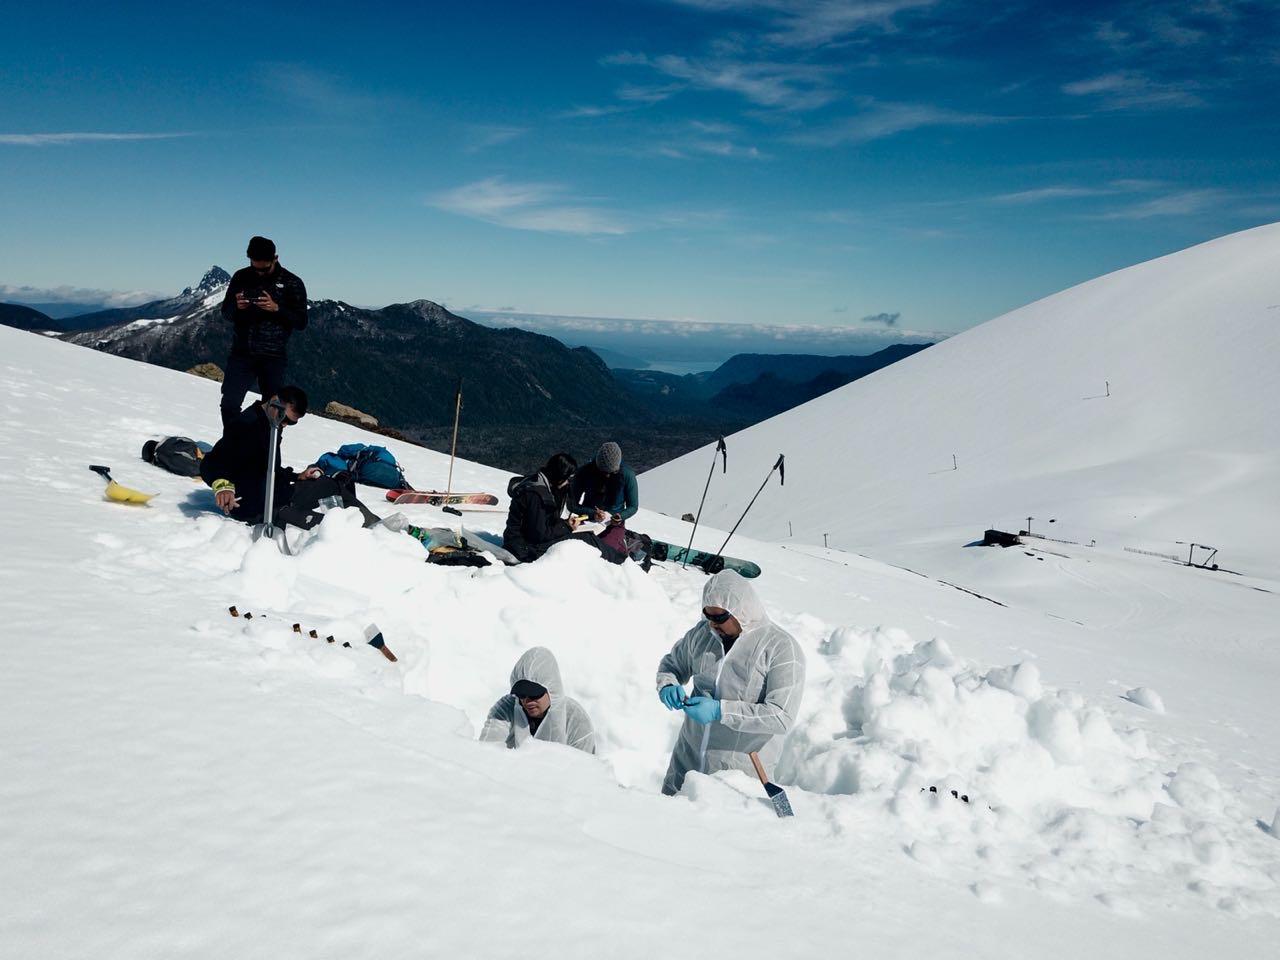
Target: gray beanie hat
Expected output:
[609,457]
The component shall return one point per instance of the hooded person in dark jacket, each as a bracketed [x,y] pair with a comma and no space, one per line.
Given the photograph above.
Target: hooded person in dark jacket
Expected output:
[236,469]
[606,491]
[534,519]
[266,304]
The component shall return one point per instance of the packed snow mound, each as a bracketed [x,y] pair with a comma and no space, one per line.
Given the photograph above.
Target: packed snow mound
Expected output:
[989,770]
[1142,407]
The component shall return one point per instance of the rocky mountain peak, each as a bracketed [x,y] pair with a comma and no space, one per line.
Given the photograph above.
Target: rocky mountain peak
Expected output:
[214,278]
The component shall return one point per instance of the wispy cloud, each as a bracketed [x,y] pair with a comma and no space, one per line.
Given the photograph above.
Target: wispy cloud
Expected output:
[883,319]
[482,136]
[1051,193]
[320,91]
[1179,204]
[808,23]
[879,120]
[56,139]
[767,83]
[541,207]
[69,294]
[1132,89]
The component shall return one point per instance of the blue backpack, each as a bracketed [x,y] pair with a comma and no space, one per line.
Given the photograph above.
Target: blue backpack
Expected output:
[375,466]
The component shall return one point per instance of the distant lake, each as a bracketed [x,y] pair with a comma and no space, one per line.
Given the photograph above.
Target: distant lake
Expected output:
[681,367]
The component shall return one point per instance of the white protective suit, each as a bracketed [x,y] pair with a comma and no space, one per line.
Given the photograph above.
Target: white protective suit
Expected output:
[566,720]
[759,685]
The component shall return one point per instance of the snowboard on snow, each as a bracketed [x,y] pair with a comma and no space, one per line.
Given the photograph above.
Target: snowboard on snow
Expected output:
[437,498]
[706,562]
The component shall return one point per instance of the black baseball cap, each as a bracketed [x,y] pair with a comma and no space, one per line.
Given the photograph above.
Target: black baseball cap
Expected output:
[260,248]
[527,690]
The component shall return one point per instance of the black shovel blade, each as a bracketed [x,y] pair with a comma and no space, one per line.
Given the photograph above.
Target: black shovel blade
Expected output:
[781,805]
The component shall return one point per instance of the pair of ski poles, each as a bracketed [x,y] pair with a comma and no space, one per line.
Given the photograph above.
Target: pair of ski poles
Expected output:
[722,452]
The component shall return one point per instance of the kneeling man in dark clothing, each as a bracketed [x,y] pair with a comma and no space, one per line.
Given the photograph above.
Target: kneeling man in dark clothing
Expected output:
[534,522]
[236,468]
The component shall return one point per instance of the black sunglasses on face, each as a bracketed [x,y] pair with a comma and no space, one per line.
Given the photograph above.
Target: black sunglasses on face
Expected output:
[718,618]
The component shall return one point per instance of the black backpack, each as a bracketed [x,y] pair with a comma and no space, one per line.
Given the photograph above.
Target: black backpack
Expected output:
[180,455]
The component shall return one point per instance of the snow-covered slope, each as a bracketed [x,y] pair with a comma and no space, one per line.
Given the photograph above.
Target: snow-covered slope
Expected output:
[178,783]
[1185,448]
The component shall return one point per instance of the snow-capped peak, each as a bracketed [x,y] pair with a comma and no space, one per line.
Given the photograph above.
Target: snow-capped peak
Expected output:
[214,279]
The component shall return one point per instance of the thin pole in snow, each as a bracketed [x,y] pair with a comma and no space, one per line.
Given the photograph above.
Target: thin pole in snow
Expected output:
[1108,383]
[954,464]
[723,452]
[778,465]
[824,541]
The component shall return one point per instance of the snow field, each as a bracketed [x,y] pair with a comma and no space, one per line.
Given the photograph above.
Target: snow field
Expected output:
[1061,794]
[182,783]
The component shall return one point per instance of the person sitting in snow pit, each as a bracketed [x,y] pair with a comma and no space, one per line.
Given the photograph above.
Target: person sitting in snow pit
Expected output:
[534,519]
[748,678]
[536,708]
[236,469]
[605,490]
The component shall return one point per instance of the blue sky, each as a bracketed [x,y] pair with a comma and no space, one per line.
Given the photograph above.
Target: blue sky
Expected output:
[883,166]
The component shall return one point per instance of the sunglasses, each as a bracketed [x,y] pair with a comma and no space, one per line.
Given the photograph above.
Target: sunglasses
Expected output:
[718,618]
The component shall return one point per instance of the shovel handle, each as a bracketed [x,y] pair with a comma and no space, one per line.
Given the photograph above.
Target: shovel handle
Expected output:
[755,762]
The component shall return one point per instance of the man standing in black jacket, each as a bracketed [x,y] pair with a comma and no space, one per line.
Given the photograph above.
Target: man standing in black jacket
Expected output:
[266,303]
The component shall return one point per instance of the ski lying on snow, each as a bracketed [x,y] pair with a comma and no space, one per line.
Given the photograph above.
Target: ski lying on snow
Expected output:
[438,498]
[706,562]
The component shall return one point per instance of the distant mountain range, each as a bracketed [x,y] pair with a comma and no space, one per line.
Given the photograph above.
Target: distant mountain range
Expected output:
[525,395]
[27,318]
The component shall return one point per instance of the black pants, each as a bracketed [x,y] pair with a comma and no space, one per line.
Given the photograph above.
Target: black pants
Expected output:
[306,495]
[241,373]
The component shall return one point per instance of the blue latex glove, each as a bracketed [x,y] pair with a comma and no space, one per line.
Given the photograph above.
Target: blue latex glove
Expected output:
[672,696]
[702,709]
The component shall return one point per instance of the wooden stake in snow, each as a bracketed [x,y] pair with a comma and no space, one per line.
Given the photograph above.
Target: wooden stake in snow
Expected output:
[1275,824]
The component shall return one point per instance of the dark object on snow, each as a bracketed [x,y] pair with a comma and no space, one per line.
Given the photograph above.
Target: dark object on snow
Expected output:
[998,538]
[373,636]
[955,794]
[723,452]
[368,464]
[778,796]
[457,557]
[779,465]
[689,517]
[180,455]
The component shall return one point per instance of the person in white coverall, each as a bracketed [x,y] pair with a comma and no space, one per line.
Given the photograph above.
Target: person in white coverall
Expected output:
[536,708]
[748,678]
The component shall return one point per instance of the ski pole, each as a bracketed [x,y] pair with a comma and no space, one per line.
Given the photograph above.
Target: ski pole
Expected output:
[453,449]
[723,452]
[373,636]
[782,479]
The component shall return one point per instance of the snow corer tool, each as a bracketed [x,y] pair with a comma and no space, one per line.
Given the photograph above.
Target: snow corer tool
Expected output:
[778,796]
[267,528]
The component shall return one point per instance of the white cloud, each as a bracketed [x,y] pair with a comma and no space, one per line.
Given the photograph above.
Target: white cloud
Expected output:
[778,85]
[69,294]
[540,207]
[48,139]
[881,120]
[1131,89]
[807,23]
[1180,204]
[482,136]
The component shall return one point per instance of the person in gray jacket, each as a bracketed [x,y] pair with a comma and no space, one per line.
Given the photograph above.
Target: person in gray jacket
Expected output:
[537,708]
[748,678]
